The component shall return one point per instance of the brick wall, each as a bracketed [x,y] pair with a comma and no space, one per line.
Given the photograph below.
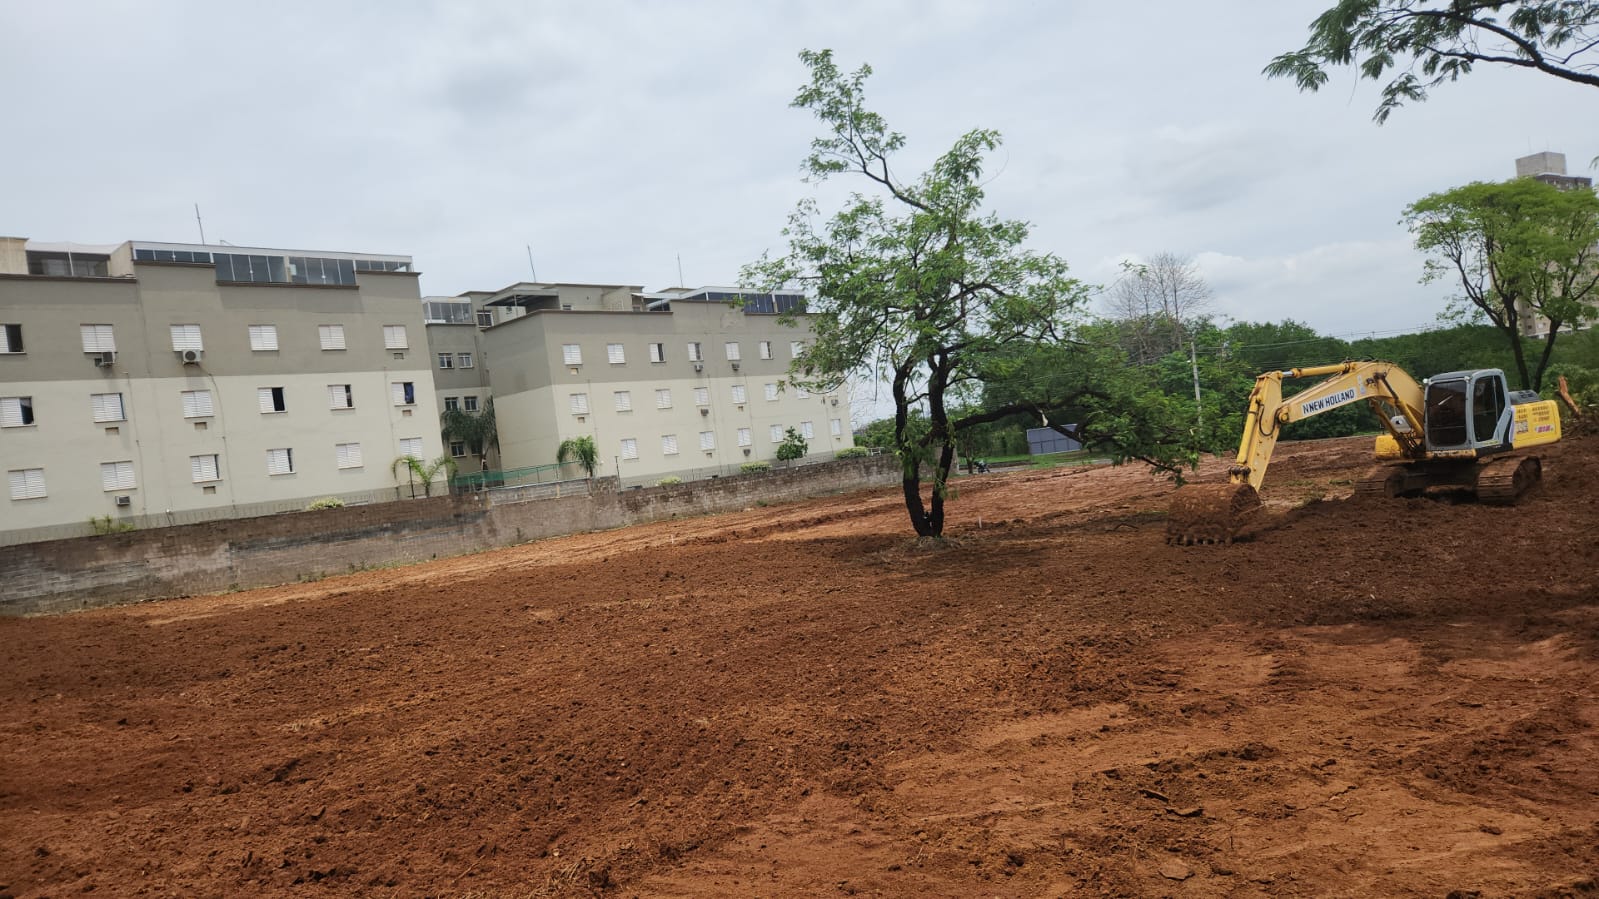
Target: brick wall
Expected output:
[88,572]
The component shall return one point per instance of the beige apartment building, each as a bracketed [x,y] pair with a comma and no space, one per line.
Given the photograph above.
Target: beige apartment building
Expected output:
[691,383]
[158,383]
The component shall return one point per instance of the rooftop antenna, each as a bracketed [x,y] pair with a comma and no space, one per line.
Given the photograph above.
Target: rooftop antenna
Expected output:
[530,262]
[197,221]
[680,281]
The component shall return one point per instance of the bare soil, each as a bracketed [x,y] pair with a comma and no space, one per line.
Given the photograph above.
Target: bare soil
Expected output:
[1358,698]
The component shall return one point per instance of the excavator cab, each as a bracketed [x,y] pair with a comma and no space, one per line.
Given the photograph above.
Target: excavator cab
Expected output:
[1468,412]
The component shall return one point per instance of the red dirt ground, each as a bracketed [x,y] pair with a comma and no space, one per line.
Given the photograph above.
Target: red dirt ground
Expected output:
[1361,698]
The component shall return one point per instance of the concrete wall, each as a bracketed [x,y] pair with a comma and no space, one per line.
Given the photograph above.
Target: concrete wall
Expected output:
[89,572]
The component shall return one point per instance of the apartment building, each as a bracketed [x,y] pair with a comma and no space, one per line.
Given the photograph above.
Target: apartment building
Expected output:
[159,383]
[677,382]
[1550,168]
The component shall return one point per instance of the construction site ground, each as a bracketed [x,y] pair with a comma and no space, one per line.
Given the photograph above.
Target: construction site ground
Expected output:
[1359,698]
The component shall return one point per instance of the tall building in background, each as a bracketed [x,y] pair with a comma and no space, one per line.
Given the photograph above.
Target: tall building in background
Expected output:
[687,382]
[157,383]
[1550,168]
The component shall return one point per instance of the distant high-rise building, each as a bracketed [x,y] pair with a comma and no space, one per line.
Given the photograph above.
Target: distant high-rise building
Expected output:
[1550,168]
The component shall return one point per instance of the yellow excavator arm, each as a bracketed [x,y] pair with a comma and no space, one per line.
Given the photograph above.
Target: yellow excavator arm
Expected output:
[1393,394]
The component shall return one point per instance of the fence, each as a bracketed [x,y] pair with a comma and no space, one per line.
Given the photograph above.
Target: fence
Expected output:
[478,481]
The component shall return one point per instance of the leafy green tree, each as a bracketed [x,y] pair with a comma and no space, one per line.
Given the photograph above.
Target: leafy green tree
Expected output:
[478,430]
[1420,44]
[915,281]
[580,450]
[794,446]
[1520,250]
[424,473]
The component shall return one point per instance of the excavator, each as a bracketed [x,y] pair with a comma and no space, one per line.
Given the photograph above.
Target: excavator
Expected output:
[1461,429]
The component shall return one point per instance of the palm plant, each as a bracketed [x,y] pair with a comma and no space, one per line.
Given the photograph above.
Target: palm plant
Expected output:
[426,472]
[477,430]
[580,450]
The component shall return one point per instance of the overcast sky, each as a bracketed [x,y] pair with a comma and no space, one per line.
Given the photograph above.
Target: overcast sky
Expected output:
[615,137]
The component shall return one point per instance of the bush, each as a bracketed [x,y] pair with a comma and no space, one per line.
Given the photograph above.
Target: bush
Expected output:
[108,525]
[852,452]
[326,502]
[669,481]
[753,467]
[794,446]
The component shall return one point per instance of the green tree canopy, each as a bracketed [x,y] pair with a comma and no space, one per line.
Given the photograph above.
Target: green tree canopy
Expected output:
[1419,44]
[580,450]
[1519,251]
[794,446]
[915,280]
[478,430]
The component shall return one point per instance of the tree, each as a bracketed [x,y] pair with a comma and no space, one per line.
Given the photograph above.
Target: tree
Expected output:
[914,281]
[1522,250]
[1156,302]
[477,430]
[580,450]
[417,471]
[1443,39]
[794,446]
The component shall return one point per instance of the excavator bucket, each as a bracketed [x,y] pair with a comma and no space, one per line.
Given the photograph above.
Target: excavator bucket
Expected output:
[1209,513]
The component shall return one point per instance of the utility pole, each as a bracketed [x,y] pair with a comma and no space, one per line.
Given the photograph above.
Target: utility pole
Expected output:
[1193,360]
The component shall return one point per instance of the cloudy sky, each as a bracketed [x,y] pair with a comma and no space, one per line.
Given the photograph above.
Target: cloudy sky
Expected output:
[617,138]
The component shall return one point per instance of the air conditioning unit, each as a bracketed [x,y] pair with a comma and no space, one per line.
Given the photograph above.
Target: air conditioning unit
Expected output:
[105,359]
[191,357]
[834,401]
[124,500]
[705,410]
[735,366]
[699,366]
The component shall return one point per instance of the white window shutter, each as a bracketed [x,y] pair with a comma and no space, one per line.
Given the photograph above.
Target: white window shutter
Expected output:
[668,444]
[280,461]
[197,404]
[771,391]
[263,337]
[107,406]
[615,354]
[629,448]
[349,455]
[203,468]
[11,412]
[395,338]
[707,440]
[624,400]
[98,339]
[331,336]
[580,404]
[27,483]
[739,393]
[116,475]
[571,354]
[732,350]
[663,398]
[411,446]
[777,433]
[702,396]
[744,438]
[186,337]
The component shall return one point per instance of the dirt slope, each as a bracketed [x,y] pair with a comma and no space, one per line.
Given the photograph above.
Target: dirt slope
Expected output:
[1359,699]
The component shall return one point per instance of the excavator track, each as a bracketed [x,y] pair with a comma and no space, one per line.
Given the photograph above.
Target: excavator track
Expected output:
[1381,482]
[1503,482]
[1209,513]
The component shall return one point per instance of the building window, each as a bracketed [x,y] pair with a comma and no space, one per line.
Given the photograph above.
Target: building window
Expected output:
[348,454]
[458,449]
[802,393]
[766,349]
[395,338]
[485,318]
[446,360]
[771,390]
[657,352]
[572,353]
[732,350]
[777,433]
[663,398]
[197,404]
[68,265]
[614,354]
[624,400]
[580,404]
[280,461]
[98,338]
[807,430]
[107,407]
[469,403]
[340,396]
[263,338]
[463,360]
[744,438]
[330,336]
[204,468]
[403,392]
[702,396]
[186,337]
[271,399]
[668,444]
[27,483]
[739,394]
[694,354]
[795,348]
[16,411]
[629,448]
[707,440]
[116,475]
[411,448]
[836,425]
[452,403]
[10,338]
